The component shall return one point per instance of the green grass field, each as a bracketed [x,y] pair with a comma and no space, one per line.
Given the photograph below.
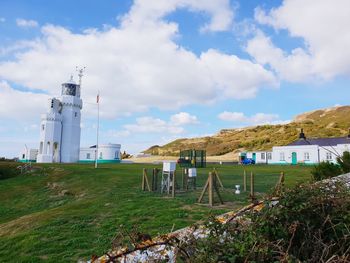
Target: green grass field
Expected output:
[64,213]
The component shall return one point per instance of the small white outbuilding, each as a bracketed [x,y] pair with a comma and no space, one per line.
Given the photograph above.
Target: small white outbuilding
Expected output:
[106,153]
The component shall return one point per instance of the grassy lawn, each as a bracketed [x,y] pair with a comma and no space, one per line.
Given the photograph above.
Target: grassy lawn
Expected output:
[64,213]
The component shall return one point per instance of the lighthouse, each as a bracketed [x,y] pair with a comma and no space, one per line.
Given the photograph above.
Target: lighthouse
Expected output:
[60,126]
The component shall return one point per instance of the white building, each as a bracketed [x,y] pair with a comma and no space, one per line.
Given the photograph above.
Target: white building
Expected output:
[60,127]
[260,157]
[303,151]
[28,155]
[107,153]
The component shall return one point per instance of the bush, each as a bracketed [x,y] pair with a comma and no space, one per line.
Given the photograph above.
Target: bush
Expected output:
[8,171]
[309,224]
[325,170]
[344,162]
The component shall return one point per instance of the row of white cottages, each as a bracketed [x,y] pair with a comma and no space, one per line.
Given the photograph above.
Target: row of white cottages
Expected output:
[302,151]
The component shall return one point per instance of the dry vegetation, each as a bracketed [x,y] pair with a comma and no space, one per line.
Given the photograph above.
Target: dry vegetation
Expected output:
[332,122]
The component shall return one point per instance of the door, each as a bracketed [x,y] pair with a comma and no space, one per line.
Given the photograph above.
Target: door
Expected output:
[294,158]
[254,157]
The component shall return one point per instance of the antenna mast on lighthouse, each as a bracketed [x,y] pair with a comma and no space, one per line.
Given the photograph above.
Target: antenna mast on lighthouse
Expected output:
[80,73]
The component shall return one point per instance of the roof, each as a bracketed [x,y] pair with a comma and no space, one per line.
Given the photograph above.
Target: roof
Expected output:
[321,141]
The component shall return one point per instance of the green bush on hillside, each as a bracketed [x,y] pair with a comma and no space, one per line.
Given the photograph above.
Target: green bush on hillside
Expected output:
[325,170]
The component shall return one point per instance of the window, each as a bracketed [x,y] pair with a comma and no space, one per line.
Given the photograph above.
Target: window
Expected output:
[269,156]
[43,126]
[48,148]
[75,114]
[262,156]
[329,156]
[88,156]
[306,156]
[101,155]
[23,156]
[116,155]
[282,157]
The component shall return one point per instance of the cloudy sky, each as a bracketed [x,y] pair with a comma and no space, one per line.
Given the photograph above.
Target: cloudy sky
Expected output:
[169,69]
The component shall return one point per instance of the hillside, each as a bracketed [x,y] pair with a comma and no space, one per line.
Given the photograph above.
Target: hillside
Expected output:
[69,212]
[330,122]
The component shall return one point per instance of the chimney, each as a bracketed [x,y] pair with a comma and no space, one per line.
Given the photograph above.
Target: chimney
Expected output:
[302,134]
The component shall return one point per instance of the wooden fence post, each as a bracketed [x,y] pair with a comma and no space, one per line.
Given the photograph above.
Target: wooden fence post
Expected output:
[279,185]
[173,185]
[145,181]
[252,185]
[155,179]
[245,181]
[216,175]
[209,185]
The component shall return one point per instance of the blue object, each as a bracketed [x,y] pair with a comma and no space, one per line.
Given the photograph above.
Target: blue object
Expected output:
[248,161]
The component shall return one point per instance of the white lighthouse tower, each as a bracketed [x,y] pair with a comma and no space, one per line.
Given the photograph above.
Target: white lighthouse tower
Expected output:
[60,126]
[50,133]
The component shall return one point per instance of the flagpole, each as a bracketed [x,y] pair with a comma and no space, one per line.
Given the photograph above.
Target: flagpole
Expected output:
[98,126]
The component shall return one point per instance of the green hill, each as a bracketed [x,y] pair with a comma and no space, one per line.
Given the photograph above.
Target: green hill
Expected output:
[331,122]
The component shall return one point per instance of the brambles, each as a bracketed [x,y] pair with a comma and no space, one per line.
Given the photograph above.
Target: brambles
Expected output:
[309,224]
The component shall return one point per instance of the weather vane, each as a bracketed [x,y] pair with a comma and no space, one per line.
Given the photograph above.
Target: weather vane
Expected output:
[80,73]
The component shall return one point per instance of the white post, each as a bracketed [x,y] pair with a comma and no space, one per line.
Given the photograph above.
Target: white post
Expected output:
[98,127]
[25,145]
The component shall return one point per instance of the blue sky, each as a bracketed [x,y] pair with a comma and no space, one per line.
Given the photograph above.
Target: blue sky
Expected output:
[170,69]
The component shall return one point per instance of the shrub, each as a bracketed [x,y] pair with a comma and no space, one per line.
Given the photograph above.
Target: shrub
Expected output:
[8,171]
[344,162]
[325,170]
[309,224]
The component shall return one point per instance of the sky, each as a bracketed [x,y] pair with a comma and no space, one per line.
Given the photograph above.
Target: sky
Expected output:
[169,69]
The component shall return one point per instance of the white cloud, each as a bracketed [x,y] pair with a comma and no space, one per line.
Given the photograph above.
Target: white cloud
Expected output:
[256,119]
[153,125]
[26,23]
[137,65]
[221,15]
[20,105]
[232,116]
[324,27]
[297,66]
[183,118]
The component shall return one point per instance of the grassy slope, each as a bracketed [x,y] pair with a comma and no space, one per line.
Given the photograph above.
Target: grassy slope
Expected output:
[37,223]
[331,122]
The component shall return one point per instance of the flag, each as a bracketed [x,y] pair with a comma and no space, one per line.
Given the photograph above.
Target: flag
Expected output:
[98,98]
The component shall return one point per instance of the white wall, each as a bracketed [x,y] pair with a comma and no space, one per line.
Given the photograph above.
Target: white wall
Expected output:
[50,134]
[109,152]
[28,154]
[314,153]
[71,117]
[106,152]
[87,154]
[260,156]
[301,151]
